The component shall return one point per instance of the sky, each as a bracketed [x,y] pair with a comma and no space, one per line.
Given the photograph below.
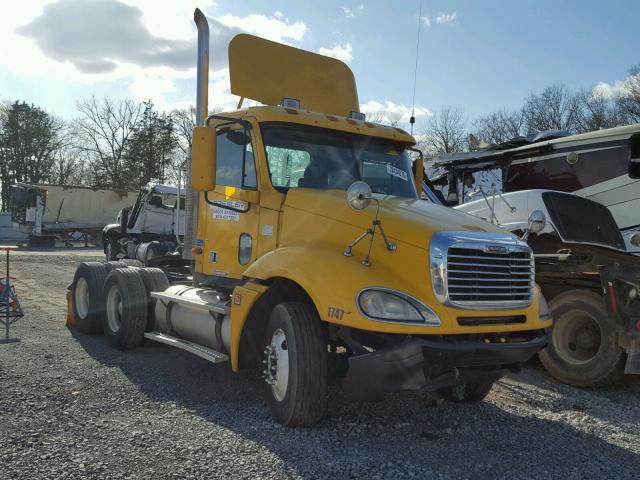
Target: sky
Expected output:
[475,55]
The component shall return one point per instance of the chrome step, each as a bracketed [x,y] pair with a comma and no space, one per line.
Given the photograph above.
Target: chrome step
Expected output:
[203,352]
[223,309]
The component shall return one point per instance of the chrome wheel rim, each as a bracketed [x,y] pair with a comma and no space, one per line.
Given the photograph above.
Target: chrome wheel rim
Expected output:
[114,309]
[82,297]
[577,337]
[276,363]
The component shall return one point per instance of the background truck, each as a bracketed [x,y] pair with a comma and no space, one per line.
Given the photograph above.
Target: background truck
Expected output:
[589,278]
[49,212]
[312,257]
[152,227]
[603,166]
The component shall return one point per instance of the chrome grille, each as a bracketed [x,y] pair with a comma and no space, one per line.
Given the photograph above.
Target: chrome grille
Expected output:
[477,277]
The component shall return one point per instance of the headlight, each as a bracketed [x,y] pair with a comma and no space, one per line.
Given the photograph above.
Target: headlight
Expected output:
[393,306]
[543,308]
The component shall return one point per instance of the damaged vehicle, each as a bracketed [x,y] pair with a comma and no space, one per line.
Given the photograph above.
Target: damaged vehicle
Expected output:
[603,166]
[586,274]
[152,227]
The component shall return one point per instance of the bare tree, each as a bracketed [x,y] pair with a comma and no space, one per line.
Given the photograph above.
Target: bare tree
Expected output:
[384,117]
[374,117]
[597,111]
[445,131]
[499,126]
[629,102]
[105,128]
[555,108]
[184,120]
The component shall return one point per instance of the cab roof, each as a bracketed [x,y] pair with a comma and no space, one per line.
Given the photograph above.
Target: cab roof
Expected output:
[315,119]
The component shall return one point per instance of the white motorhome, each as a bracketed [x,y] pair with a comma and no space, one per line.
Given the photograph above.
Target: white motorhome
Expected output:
[603,166]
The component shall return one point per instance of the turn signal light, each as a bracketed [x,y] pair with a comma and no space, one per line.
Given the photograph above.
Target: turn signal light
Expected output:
[196,250]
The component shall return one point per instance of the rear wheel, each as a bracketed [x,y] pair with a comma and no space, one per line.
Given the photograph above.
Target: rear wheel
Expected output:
[88,300]
[126,308]
[113,265]
[583,345]
[295,365]
[466,392]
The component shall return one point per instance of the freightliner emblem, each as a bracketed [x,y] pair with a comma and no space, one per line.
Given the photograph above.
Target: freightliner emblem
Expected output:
[497,249]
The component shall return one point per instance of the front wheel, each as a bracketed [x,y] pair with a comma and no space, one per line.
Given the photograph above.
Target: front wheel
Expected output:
[466,392]
[583,345]
[295,367]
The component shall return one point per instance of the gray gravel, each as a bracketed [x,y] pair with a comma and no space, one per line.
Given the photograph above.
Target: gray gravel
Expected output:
[71,407]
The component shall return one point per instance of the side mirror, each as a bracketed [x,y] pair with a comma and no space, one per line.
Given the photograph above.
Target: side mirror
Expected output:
[537,221]
[203,159]
[359,195]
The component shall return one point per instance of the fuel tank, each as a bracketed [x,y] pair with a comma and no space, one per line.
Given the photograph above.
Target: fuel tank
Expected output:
[200,315]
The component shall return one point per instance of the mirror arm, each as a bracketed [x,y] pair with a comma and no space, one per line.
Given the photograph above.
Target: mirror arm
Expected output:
[226,207]
[230,120]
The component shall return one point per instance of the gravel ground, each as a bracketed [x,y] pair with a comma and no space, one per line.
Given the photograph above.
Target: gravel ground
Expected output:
[71,407]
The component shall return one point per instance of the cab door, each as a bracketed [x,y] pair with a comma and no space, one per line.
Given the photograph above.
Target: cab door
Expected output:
[231,212]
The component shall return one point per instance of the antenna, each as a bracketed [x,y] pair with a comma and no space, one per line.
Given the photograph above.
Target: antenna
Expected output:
[412,120]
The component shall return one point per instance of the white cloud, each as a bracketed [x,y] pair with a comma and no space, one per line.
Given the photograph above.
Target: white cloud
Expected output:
[267,27]
[151,49]
[427,21]
[444,17]
[391,112]
[352,12]
[341,52]
[605,90]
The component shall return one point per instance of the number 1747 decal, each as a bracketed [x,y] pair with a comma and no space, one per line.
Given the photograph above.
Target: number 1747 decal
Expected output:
[337,313]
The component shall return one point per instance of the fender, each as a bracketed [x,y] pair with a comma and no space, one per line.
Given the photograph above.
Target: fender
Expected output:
[331,280]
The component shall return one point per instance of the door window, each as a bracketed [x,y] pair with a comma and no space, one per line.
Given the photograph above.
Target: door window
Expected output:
[235,165]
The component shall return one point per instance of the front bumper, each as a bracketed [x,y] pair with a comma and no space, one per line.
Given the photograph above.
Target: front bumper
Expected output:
[418,363]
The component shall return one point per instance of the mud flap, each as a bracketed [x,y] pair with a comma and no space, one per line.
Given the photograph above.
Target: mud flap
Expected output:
[633,363]
[71,320]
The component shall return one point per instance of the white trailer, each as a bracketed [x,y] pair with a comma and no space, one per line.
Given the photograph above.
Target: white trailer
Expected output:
[46,212]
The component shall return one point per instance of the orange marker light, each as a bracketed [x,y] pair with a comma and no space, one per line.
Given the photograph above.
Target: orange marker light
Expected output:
[196,250]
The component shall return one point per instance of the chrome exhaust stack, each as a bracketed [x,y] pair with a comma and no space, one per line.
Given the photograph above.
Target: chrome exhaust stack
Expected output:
[202,109]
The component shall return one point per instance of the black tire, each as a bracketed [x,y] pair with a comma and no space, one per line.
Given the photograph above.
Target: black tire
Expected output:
[467,392]
[88,300]
[304,401]
[592,361]
[154,280]
[125,308]
[111,249]
[113,265]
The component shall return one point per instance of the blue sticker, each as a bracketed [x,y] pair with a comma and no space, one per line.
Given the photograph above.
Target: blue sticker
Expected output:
[199,243]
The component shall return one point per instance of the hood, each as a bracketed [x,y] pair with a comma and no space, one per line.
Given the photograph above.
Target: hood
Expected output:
[405,220]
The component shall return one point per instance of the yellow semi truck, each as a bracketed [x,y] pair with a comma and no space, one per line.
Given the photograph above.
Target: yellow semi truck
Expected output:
[312,256]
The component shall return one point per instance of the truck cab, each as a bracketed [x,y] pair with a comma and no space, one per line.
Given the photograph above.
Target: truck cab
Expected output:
[315,261]
[153,226]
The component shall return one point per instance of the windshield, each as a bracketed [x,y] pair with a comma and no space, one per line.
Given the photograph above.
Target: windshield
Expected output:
[310,157]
